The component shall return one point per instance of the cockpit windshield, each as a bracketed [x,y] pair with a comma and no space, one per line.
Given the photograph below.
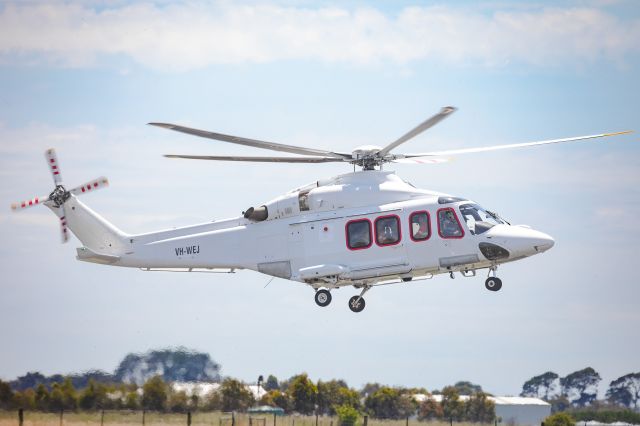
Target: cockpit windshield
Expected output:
[479,220]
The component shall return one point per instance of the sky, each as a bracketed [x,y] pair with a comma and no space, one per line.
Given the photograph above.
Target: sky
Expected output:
[86,77]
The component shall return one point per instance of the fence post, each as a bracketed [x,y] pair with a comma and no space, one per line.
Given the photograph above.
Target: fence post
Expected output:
[61,412]
[102,418]
[451,421]
[316,418]
[250,421]
[366,420]
[188,418]
[143,414]
[274,419]
[233,418]
[407,420]
[20,417]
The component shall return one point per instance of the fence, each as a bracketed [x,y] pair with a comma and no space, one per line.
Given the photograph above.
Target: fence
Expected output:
[151,418]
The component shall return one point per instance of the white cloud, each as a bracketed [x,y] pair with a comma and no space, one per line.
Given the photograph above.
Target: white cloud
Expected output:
[195,35]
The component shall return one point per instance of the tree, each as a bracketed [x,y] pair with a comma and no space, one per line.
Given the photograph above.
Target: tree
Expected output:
[334,393]
[545,386]
[479,409]
[369,389]
[430,409]
[6,395]
[154,394]
[581,387]
[213,402]
[389,403]
[42,398]
[56,398]
[559,419]
[25,399]
[303,394]
[178,402]
[131,400]
[271,383]
[452,407]
[625,391]
[235,396]
[276,398]
[347,415]
[93,396]
[467,388]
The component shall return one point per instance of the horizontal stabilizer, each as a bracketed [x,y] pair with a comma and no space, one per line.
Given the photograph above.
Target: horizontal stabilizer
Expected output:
[87,255]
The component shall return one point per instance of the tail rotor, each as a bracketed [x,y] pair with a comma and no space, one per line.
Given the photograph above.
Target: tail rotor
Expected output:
[56,199]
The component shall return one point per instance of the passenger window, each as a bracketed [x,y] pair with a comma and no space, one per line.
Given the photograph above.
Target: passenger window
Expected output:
[448,224]
[359,234]
[387,230]
[420,226]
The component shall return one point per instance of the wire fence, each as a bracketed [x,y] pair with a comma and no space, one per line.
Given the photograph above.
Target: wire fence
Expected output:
[198,418]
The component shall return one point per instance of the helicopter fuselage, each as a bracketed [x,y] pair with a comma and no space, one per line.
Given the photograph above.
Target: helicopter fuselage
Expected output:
[357,229]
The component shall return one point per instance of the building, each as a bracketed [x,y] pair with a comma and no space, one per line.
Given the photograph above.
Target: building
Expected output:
[510,410]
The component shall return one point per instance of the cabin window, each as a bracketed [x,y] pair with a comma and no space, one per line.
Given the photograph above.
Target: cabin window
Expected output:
[358,234]
[448,224]
[387,230]
[420,226]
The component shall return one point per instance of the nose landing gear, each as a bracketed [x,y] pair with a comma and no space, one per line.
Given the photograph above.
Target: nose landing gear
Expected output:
[493,283]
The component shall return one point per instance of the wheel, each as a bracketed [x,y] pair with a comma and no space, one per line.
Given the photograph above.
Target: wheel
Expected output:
[323,297]
[356,307]
[493,283]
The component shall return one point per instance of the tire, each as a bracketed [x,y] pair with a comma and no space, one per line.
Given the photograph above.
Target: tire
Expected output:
[323,297]
[493,284]
[356,308]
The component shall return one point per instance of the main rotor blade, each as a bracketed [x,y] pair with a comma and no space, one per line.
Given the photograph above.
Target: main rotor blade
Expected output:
[252,142]
[430,122]
[52,161]
[260,159]
[515,145]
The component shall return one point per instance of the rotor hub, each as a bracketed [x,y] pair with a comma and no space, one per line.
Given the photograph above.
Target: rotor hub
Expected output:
[59,195]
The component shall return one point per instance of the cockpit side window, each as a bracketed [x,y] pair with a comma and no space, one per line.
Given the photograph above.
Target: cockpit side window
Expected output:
[420,226]
[358,234]
[478,220]
[448,224]
[387,230]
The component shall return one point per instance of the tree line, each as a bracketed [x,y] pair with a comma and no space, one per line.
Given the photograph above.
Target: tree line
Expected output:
[580,390]
[298,394]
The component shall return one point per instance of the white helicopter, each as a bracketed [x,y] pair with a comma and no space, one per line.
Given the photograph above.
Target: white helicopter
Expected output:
[359,229]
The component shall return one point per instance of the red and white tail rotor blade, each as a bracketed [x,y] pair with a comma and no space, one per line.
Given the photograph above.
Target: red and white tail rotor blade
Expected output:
[29,203]
[54,166]
[63,229]
[95,184]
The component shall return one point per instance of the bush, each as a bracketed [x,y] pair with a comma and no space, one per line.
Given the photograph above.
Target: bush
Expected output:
[559,419]
[347,415]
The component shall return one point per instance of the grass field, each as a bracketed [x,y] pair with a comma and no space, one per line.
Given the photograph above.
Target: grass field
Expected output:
[123,418]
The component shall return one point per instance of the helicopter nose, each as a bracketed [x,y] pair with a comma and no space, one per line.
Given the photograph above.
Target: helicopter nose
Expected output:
[520,240]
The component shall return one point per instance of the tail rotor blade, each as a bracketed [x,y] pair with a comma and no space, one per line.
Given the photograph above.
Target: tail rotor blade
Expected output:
[52,161]
[29,203]
[93,185]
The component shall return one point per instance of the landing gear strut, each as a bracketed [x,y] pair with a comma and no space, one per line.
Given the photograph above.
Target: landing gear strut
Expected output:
[356,303]
[323,297]
[493,283]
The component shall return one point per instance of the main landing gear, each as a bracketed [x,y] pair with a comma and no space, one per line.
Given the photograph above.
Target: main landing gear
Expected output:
[493,283]
[323,297]
[356,303]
